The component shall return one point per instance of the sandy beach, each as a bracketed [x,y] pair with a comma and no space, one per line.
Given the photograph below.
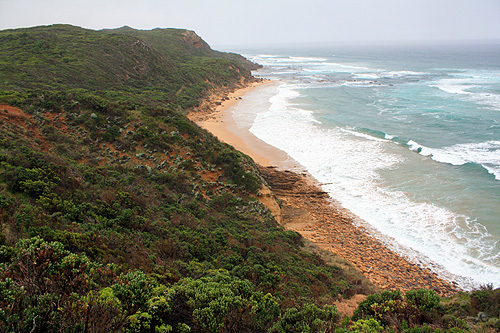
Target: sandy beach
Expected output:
[305,208]
[216,117]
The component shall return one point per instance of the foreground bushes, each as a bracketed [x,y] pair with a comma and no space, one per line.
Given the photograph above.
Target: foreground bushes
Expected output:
[423,310]
[46,288]
[118,248]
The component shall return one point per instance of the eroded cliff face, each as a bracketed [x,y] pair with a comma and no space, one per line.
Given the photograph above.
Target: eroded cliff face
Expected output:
[190,37]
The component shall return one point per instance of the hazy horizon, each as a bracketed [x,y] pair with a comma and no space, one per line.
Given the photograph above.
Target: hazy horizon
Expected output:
[358,43]
[228,22]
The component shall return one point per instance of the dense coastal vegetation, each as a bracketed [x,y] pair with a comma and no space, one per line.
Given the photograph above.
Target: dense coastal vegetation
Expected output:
[119,214]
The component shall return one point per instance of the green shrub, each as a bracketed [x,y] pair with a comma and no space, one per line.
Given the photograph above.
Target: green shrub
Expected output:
[6,253]
[6,203]
[111,134]
[134,289]
[366,326]
[221,302]
[42,279]
[424,300]
[486,300]
[365,308]
[308,318]
[186,127]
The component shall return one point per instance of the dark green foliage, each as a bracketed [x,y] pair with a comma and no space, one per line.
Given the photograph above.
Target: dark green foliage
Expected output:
[42,275]
[230,159]
[422,310]
[467,305]
[222,302]
[161,66]
[486,300]
[309,318]
[423,305]
[45,287]
[423,299]
[133,291]
[366,307]
[6,253]
[150,227]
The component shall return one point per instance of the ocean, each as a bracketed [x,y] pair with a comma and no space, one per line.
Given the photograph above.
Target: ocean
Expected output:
[407,138]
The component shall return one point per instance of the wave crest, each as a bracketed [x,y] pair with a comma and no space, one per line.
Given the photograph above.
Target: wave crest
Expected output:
[486,154]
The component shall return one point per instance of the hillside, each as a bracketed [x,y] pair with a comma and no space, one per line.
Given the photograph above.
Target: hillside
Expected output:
[103,196]
[181,45]
[167,67]
[119,214]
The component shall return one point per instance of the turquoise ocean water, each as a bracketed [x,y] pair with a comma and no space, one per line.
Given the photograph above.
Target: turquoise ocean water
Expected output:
[405,137]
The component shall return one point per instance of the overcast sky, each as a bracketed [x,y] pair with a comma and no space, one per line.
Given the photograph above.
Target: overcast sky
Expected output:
[240,22]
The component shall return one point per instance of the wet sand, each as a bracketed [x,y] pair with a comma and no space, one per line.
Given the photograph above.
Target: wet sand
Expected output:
[305,208]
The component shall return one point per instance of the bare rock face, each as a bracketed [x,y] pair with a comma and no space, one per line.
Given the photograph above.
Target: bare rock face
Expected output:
[191,38]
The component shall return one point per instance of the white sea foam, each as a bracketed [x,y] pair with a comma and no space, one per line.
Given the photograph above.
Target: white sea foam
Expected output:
[362,84]
[310,70]
[308,59]
[361,135]
[344,68]
[317,64]
[404,73]
[286,60]
[486,154]
[372,76]
[455,85]
[349,162]
[422,150]
[263,56]
[464,86]
[285,72]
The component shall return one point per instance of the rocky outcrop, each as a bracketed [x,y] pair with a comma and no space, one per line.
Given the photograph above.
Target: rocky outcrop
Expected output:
[190,37]
[309,211]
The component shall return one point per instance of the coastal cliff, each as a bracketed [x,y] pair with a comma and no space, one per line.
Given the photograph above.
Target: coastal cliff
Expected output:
[118,213]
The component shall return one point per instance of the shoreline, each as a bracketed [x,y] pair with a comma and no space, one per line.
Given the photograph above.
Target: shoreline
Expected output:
[217,118]
[310,211]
